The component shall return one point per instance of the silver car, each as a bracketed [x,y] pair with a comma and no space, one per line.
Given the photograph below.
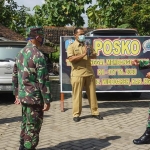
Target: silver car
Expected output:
[113,32]
[8,52]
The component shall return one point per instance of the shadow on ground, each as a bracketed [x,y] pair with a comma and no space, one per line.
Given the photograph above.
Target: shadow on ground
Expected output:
[84,144]
[120,100]
[14,119]
[123,101]
[121,96]
[125,106]
[6,98]
[111,112]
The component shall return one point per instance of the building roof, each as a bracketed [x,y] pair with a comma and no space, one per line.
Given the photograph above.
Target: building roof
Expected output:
[53,33]
[8,34]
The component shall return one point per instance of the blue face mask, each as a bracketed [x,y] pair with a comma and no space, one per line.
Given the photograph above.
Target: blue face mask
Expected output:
[81,38]
[42,42]
[28,39]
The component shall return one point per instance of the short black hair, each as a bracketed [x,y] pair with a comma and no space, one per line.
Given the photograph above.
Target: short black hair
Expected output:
[76,29]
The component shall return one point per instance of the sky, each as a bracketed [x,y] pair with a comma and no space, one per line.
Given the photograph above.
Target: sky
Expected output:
[32,3]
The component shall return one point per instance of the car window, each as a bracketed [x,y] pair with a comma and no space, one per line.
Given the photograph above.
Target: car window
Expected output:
[114,34]
[9,51]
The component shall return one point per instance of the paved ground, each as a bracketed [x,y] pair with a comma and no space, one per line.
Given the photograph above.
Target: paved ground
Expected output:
[124,119]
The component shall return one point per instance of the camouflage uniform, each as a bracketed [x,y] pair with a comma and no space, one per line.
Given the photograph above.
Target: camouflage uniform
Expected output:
[31,84]
[145,65]
[145,138]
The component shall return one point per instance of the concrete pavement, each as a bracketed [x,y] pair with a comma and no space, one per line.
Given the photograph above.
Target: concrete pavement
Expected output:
[124,119]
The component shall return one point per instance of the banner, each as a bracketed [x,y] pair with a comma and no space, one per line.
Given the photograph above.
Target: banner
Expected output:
[112,66]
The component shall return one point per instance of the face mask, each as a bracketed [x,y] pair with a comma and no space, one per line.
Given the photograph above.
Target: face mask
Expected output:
[42,42]
[81,38]
[28,39]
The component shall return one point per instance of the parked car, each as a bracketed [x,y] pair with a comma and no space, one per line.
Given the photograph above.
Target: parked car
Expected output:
[114,32]
[8,52]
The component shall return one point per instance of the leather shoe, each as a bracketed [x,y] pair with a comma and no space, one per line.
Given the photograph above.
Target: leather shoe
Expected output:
[29,149]
[21,147]
[97,117]
[144,139]
[76,119]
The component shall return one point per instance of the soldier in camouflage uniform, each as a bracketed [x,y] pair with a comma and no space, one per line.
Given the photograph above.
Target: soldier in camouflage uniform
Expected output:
[145,138]
[31,87]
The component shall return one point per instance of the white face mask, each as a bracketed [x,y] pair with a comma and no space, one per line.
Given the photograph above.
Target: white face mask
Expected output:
[81,38]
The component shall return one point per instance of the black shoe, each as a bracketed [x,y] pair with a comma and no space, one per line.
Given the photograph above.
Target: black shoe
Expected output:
[21,147]
[97,117]
[76,119]
[28,149]
[144,139]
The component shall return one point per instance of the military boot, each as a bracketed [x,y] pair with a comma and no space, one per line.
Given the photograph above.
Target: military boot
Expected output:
[24,148]
[21,145]
[144,139]
[29,149]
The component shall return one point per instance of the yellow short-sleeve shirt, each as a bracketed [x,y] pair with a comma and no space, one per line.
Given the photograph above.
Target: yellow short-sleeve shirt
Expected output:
[83,66]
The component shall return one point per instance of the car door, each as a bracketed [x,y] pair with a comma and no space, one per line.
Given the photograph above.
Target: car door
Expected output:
[8,52]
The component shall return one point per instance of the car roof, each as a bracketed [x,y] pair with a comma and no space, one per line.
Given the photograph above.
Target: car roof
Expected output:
[13,42]
[113,30]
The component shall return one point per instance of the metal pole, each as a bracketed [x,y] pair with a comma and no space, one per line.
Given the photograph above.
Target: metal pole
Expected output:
[62,102]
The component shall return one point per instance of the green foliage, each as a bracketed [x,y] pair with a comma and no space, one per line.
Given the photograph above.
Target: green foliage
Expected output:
[104,14]
[121,13]
[2,2]
[55,56]
[13,16]
[60,13]
[138,16]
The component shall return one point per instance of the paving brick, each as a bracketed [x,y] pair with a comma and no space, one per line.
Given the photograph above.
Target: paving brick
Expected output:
[123,121]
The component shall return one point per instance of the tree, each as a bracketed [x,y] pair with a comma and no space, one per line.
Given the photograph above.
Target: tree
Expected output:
[2,2]
[121,13]
[61,13]
[106,13]
[94,17]
[137,15]
[13,16]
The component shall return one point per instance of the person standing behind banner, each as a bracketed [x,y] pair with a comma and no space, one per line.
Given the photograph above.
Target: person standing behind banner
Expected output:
[82,75]
[31,87]
[145,138]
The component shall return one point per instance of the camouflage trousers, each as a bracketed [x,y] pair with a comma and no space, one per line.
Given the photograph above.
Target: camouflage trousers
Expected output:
[148,120]
[32,119]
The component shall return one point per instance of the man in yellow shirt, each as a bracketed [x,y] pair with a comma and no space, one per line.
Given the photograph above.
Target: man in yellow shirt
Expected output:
[82,75]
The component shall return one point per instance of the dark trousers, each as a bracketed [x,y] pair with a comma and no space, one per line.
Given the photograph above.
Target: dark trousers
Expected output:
[32,119]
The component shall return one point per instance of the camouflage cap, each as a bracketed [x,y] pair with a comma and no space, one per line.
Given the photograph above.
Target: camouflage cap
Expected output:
[33,31]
